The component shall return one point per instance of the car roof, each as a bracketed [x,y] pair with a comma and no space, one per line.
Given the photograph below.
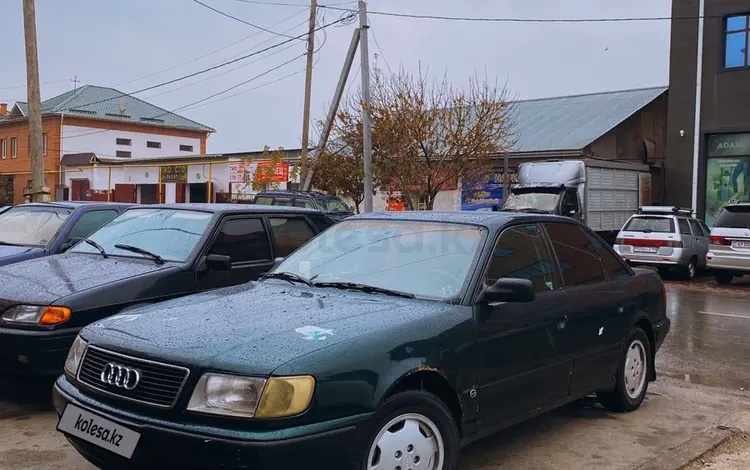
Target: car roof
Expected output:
[224,208]
[284,192]
[75,204]
[490,220]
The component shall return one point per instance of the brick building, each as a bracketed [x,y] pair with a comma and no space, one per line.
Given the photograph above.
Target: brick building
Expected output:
[90,119]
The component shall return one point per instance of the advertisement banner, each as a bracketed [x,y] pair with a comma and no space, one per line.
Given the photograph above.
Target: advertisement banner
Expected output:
[489,191]
[727,181]
[240,172]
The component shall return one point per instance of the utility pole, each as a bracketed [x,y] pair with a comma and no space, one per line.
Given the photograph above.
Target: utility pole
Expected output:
[39,192]
[364,53]
[75,83]
[308,87]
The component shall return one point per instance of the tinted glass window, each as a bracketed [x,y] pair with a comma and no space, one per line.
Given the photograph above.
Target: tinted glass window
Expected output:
[88,223]
[613,265]
[734,217]
[321,223]
[521,253]
[577,253]
[695,226]
[264,200]
[242,240]
[282,201]
[650,224]
[290,234]
[306,203]
[704,227]
[684,226]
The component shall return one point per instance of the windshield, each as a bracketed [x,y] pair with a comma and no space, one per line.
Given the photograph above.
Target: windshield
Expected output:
[426,259]
[734,217]
[31,226]
[169,233]
[542,201]
[332,205]
[650,224]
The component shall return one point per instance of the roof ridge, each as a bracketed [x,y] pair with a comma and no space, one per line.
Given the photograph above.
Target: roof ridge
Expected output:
[610,92]
[67,100]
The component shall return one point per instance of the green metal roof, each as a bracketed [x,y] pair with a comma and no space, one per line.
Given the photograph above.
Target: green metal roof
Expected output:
[113,105]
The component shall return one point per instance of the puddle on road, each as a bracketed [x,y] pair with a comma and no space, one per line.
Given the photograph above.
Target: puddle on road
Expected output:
[711,380]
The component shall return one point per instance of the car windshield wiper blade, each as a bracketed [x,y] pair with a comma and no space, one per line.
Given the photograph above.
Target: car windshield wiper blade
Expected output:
[287,276]
[158,259]
[365,288]
[97,246]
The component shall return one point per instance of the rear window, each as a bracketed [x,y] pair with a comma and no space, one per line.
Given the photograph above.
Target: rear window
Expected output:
[734,217]
[650,224]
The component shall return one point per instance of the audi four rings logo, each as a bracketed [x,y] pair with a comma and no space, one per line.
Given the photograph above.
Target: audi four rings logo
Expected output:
[120,376]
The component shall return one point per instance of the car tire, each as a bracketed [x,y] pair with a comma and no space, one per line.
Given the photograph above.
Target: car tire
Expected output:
[426,427]
[664,273]
[631,382]
[688,272]
[724,278]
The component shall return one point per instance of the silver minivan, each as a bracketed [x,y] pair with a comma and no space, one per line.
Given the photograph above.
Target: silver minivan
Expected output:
[668,238]
[729,244]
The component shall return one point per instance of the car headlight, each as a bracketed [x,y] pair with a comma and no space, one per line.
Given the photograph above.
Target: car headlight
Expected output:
[74,356]
[36,315]
[250,397]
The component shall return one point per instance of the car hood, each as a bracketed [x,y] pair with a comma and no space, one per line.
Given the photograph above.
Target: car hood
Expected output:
[44,280]
[14,254]
[252,328]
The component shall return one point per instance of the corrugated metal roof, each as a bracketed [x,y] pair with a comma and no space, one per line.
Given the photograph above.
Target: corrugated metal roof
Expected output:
[110,104]
[573,122]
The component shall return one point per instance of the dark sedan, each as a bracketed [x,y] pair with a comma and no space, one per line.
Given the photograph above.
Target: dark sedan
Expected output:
[146,255]
[29,231]
[387,342]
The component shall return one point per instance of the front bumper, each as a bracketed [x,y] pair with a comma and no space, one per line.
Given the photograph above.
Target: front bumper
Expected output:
[34,352]
[331,445]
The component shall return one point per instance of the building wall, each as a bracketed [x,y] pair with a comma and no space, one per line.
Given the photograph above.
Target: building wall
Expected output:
[725,95]
[100,137]
[20,167]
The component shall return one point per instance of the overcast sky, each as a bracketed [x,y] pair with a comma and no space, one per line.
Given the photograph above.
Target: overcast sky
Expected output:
[118,42]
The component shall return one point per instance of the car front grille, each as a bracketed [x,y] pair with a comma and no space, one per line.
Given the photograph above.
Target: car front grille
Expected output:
[159,384]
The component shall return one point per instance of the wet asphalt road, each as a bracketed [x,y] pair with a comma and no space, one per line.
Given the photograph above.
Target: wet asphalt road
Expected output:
[703,367]
[709,342]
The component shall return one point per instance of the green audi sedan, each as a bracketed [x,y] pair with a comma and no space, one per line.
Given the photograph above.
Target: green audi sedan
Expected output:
[387,342]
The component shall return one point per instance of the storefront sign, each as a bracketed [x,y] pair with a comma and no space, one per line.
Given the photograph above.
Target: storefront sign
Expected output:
[173,174]
[240,172]
[727,181]
[725,145]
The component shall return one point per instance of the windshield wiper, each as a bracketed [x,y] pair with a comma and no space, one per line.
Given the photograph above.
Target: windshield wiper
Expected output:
[287,276]
[97,246]
[365,288]
[158,259]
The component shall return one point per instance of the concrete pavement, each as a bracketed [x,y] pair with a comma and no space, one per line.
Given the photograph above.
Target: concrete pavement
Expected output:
[704,383]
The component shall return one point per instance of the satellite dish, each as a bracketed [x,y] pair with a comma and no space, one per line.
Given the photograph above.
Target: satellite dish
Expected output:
[122,106]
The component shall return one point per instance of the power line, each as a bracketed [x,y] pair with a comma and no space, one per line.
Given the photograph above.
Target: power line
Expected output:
[24,86]
[382,54]
[282,4]
[219,49]
[240,19]
[527,20]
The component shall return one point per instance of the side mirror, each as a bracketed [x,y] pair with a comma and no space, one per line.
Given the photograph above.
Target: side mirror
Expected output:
[278,261]
[509,290]
[218,263]
[64,247]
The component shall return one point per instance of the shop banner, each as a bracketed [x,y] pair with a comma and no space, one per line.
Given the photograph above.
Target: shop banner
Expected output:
[489,191]
[728,145]
[727,181]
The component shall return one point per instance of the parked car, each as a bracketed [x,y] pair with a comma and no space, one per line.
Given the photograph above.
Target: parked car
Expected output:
[333,206]
[729,243]
[668,238]
[146,255]
[388,341]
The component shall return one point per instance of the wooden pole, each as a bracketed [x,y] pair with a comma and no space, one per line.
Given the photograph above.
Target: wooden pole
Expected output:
[308,88]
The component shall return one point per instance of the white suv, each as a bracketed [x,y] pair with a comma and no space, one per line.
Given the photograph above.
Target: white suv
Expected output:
[668,238]
[729,245]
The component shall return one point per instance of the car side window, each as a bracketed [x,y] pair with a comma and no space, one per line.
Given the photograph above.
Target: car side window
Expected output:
[242,240]
[264,200]
[89,223]
[579,258]
[521,252]
[684,226]
[704,227]
[306,203]
[321,223]
[695,226]
[614,267]
[289,234]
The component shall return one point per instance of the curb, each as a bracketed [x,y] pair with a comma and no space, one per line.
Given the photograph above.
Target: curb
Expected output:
[697,446]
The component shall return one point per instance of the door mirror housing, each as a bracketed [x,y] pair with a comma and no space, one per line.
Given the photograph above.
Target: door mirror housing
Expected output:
[509,290]
[64,247]
[277,261]
[218,263]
